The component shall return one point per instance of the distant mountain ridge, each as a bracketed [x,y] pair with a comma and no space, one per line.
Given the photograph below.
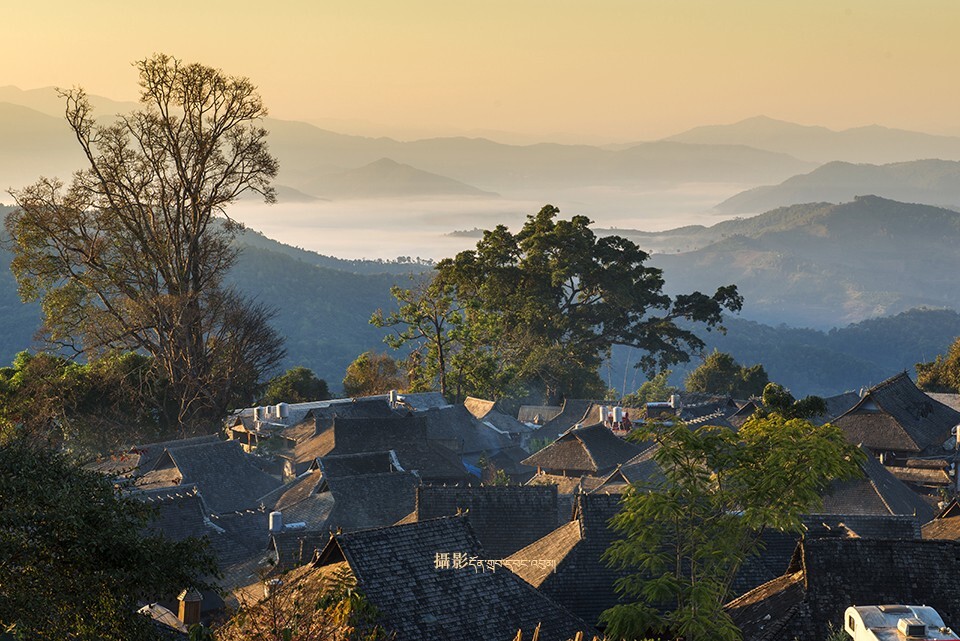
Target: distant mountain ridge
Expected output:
[825,265]
[930,182]
[386,178]
[869,144]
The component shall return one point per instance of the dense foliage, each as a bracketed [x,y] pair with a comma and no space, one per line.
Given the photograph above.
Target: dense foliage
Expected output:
[655,390]
[943,373]
[373,373]
[685,537]
[721,374]
[296,385]
[74,562]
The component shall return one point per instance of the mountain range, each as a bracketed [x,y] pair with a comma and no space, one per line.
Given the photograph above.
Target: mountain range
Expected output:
[931,182]
[869,144]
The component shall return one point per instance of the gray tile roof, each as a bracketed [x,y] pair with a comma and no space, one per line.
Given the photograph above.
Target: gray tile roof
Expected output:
[489,413]
[829,574]
[504,518]
[538,414]
[420,401]
[575,410]
[408,437]
[895,415]
[294,548]
[360,463]
[455,424]
[587,450]
[877,492]
[227,478]
[371,500]
[145,457]
[396,570]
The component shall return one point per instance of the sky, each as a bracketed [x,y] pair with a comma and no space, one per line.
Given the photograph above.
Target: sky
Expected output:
[564,70]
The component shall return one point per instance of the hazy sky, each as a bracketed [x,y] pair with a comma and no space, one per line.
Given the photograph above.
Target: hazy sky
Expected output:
[614,70]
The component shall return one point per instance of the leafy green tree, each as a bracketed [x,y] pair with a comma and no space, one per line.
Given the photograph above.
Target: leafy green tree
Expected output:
[943,373]
[777,398]
[73,560]
[372,373]
[686,537]
[426,318]
[296,385]
[656,390]
[132,254]
[721,374]
[540,309]
[91,408]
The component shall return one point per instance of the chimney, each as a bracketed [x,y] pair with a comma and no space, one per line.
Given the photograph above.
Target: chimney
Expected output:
[189,607]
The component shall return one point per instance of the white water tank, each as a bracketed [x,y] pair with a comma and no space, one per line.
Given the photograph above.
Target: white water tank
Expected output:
[876,622]
[283,410]
[603,413]
[617,414]
[276,521]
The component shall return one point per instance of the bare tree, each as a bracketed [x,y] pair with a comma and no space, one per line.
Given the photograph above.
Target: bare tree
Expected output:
[132,254]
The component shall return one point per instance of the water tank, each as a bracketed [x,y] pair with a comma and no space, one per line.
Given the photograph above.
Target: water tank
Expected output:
[394,396]
[617,414]
[283,410]
[603,413]
[276,521]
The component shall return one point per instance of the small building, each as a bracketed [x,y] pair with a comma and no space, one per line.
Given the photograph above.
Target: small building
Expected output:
[592,450]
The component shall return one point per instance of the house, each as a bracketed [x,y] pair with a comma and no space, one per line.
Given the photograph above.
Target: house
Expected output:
[294,548]
[573,412]
[896,421]
[503,518]
[829,574]
[416,449]
[577,577]
[431,580]
[306,500]
[592,450]
[226,476]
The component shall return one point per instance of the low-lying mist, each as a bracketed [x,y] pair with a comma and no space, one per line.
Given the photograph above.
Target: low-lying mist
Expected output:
[388,228]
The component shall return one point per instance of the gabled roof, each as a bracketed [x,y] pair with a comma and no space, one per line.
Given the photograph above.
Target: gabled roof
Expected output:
[420,401]
[582,580]
[589,450]
[297,547]
[829,574]
[836,406]
[359,463]
[144,457]
[408,437]
[489,413]
[466,434]
[180,512]
[396,569]
[946,525]
[227,478]
[877,492]
[896,415]
[371,500]
[504,518]
[575,410]
[538,414]
[950,400]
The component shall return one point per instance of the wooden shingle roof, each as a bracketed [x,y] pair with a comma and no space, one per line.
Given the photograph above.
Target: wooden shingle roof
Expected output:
[396,569]
[227,478]
[408,437]
[360,463]
[504,518]
[538,414]
[575,410]
[489,413]
[582,580]
[371,500]
[829,574]
[586,450]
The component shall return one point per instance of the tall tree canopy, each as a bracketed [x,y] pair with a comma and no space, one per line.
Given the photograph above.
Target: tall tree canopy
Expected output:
[132,254]
[943,373]
[721,374]
[542,307]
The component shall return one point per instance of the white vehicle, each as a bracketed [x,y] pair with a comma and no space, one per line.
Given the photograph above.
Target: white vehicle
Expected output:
[895,623]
